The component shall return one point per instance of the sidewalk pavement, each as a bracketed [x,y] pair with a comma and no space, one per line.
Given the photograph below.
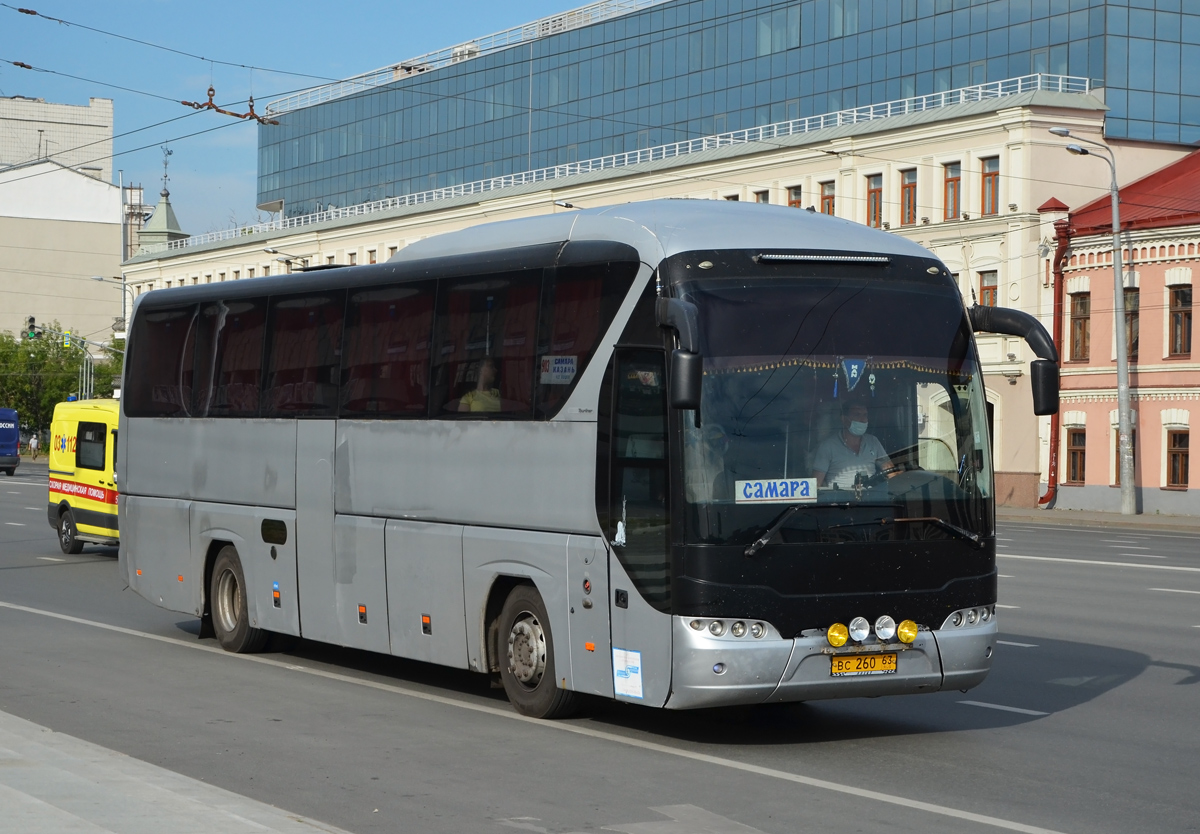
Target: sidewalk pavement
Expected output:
[51,783]
[1092,518]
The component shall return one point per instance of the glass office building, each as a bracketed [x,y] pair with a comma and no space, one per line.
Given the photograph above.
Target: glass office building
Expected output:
[649,73]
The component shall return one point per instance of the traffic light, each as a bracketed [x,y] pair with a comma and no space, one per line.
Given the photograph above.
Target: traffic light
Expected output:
[31,331]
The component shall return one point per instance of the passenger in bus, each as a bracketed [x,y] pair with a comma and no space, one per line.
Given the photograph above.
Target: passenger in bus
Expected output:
[483,397]
[850,452]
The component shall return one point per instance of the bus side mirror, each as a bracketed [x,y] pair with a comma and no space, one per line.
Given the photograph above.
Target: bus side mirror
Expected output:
[1043,376]
[687,374]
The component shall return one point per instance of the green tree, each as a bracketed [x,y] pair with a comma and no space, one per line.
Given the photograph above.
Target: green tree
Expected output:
[37,374]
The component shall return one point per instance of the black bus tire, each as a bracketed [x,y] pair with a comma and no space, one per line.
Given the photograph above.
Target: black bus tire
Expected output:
[68,534]
[526,650]
[230,608]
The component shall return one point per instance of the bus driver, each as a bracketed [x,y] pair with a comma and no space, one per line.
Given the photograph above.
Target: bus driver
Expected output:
[849,452]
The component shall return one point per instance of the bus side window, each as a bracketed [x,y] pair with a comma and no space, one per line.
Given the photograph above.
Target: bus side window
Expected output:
[579,305]
[90,448]
[304,359]
[159,368]
[385,365]
[484,356]
[229,352]
[639,485]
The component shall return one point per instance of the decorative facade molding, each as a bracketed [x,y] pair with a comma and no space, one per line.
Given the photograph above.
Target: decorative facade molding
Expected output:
[1175,418]
[1074,419]
[1178,276]
[1079,284]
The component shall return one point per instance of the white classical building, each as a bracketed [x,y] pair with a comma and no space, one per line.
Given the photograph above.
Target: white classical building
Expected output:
[961,172]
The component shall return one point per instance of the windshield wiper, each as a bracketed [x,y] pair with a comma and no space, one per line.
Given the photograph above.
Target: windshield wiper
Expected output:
[761,542]
[973,538]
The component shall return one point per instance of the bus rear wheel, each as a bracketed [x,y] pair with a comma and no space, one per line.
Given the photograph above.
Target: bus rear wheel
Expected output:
[230,611]
[527,657]
[68,537]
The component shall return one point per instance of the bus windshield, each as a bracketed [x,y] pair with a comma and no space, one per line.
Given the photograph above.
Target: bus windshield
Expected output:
[835,409]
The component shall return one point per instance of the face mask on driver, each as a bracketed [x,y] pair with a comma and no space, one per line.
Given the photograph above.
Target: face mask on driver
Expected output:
[858,429]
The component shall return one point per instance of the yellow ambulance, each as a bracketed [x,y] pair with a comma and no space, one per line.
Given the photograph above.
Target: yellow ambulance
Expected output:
[83,491]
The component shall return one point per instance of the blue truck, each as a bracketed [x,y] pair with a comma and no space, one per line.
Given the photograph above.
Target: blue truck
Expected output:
[10,441]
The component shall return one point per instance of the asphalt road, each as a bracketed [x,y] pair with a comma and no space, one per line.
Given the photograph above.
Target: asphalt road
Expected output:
[1086,724]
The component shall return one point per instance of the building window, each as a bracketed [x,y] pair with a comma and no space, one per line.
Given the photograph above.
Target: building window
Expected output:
[762,196]
[953,190]
[733,198]
[266,271]
[908,197]
[1076,455]
[250,272]
[987,288]
[1081,326]
[352,258]
[875,200]
[329,259]
[795,197]
[392,250]
[1131,322]
[1177,458]
[1181,321]
[237,273]
[370,256]
[1117,453]
[220,276]
[991,185]
[827,193]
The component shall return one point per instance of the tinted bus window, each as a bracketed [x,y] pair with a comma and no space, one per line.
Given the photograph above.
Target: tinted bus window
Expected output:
[229,358]
[304,355]
[158,371]
[385,368]
[484,357]
[578,307]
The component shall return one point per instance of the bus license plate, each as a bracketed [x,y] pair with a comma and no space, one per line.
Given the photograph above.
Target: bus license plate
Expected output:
[853,665]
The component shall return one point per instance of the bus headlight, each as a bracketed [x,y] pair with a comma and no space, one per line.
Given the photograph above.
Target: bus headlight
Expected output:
[757,630]
[837,635]
[860,629]
[716,628]
[738,629]
[907,631]
[885,628]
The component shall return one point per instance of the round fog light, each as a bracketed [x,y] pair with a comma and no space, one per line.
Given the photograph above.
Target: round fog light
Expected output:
[957,619]
[758,630]
[716,628]
[985,614]
[972,616]
[837,635]
[907,631]
[697,625]
[859,629]
[885,628]
[738,629]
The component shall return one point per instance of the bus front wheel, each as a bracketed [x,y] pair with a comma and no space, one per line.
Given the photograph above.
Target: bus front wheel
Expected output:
[527,657]
[68,538]
[227,599]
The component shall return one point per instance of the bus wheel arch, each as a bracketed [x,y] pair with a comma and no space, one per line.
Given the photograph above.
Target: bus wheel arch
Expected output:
[228,604]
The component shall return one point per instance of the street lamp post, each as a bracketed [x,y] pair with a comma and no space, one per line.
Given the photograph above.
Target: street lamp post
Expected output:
[285,258]
[125,289]
[1124,411]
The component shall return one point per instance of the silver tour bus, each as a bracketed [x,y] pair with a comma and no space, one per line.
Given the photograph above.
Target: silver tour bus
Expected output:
[677,453]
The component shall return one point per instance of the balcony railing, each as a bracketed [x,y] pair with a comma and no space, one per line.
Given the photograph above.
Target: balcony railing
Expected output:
[763,133]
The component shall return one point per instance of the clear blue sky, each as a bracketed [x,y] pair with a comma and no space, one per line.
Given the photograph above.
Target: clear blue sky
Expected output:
[213,175]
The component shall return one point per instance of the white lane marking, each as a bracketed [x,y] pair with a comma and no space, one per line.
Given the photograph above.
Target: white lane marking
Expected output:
[1098,562]
[12,492]
[1005,575]
[1120,541]
[614,738]
[1128,547]
[1018,645]
[14,524]
[51,559]
[35,508]
[1174,591]
[1143,556]
[1004,540]
[998,605]
[1003,708]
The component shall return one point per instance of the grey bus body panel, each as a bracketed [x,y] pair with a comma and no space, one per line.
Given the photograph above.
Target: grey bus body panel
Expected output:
[967,653]
[425,579]
[229,461]
[514,474]
[241,527]
[643,630]
[156,539]
[347,596]
[490,553]
[588,610]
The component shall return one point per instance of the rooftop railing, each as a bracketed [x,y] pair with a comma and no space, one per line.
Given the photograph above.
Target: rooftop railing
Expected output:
[763,133]
[546,26]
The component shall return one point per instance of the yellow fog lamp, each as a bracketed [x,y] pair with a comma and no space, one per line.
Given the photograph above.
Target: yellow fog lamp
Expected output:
[907,631]
[837,635]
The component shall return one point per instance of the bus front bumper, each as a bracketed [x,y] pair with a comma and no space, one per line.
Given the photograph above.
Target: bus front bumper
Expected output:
[711,671]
